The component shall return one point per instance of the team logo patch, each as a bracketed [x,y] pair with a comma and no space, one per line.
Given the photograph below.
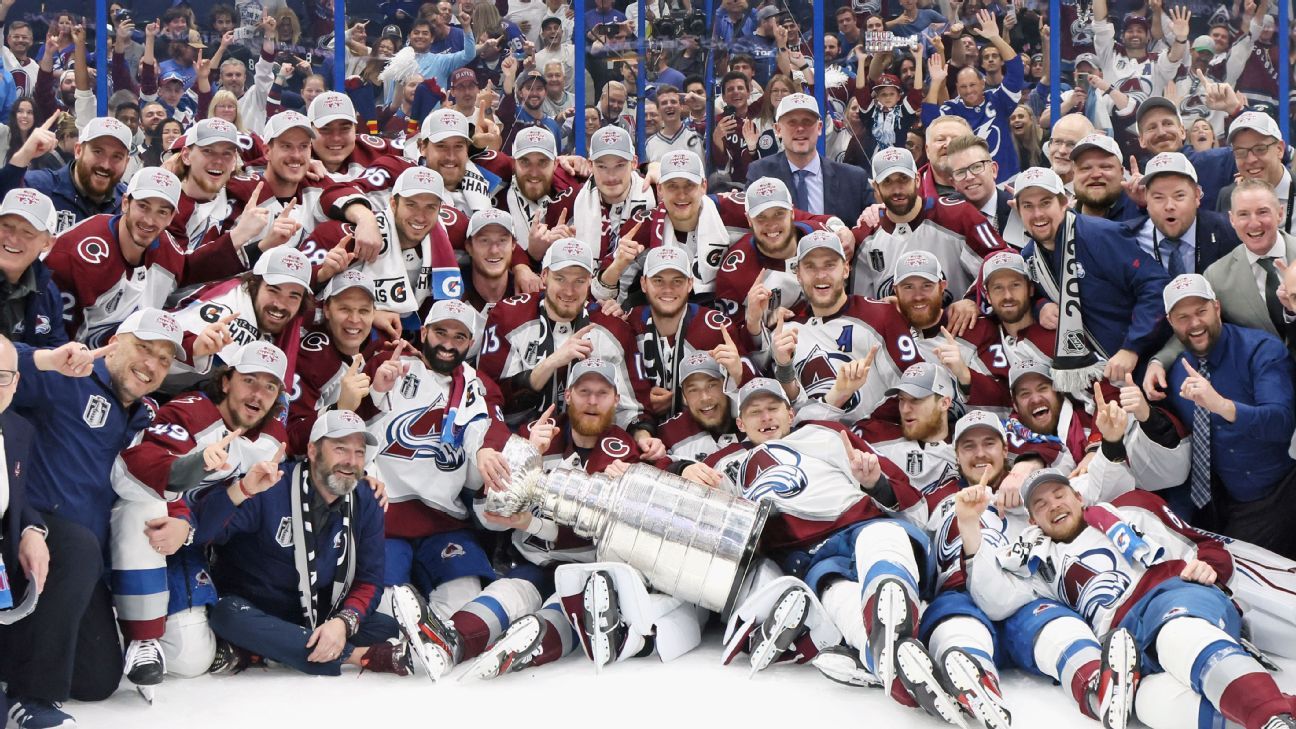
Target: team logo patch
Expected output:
[409,386]
[92,250]
[65,219]
[202,579]
[452,550]
[284,534]
[773,469]
[615,447]
[42,324]
[914,463]
[96,411]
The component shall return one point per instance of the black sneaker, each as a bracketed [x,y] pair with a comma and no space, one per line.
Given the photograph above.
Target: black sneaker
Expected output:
[25,713]
[230,659]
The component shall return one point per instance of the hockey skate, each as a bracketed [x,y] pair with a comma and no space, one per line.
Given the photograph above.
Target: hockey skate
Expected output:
[1118,679]
[890,620]
[604,629]
[230,659]
[918,675]
[841,664]
[145,666]
[435,643]
[779,630]
[976,691]
[514,650]
[1282,721]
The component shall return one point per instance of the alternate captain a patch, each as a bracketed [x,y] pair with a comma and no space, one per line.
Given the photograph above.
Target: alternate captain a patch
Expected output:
[96,411]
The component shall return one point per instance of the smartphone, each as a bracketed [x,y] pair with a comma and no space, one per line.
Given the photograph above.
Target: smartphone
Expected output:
[1082,81]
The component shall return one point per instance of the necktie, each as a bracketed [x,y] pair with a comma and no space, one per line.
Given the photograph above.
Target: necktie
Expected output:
[1272,304]
[799,189]
[1201,455]
[1174,264]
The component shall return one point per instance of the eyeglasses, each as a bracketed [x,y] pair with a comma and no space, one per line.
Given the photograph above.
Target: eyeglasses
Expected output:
[7,377]
[971,170]
[1259,150]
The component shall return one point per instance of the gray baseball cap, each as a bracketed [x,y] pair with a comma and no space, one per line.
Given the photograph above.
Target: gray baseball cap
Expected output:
[665,258]
[766,193]
[761,386]
[611,140]
[1097,141]
[1089,58]
[33,206]
[893,160]
[681,163]
[352,278]
[155,182]
[918,263]
[1187,286]
[444,124]
[419,181]
[923,379]
[591,366]
[1023,367]
[212,131]
[767,12]
[106,126]
[331,106]
[490,216]
[535,139]
[261,357]
[285,120]
[979,419]
[1256,121]
[283,265]
[1039,478]
[819,239]
[340,424]
[154,325]
[1169,163]
[700,363]
[567,252]
[1003,261]
[454,310]
[1038,177]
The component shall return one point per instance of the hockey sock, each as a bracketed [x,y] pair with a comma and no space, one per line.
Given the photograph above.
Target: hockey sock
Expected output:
[1206,658]
[845,608]
[1065,651]
[968,633]
[1162,702]
[560,639]
[486,616]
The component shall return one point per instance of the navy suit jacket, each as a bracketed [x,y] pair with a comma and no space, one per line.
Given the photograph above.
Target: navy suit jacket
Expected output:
[846,188]
[1215,236]
[20,514]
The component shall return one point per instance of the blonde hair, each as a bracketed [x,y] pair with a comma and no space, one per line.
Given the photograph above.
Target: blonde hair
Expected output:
[288,17]
[225,95]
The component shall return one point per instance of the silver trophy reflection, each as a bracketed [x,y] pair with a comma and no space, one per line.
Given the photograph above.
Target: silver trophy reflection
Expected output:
[690,541]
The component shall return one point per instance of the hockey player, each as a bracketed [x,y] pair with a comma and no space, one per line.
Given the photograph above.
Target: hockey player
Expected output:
[764,257]
[1126,572]
[953,230]
[33,317]
[921,441]
[269,303]
[538,182]
[669,329]
[497,267]
[531,340]
[471,180]
[828,526]
[330,366]
[281,516]
[1009,292]
[372,162]
[85,406]
[706,423]
[110,266]
[195,442]
[1047,422]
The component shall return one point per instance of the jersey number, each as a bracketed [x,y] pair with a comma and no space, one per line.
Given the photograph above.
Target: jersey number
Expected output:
[908,350]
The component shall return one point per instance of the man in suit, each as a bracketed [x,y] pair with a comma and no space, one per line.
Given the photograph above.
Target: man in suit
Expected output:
[1259,151]
[974,173]
[1177,232]
[799,166]
[1248,278]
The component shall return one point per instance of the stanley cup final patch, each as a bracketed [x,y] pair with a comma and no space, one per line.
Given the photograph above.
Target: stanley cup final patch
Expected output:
[284,534]
[96,411]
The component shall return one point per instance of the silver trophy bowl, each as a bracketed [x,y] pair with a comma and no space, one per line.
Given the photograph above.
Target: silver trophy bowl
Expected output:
[690,541]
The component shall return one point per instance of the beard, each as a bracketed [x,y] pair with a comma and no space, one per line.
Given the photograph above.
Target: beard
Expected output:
[442,366]
[929,317]
[335,483]
[590,425]
[900,209]
[923,430]
[1104,200]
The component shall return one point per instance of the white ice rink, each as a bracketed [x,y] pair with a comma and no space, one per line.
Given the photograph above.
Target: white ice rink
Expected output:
[693,691]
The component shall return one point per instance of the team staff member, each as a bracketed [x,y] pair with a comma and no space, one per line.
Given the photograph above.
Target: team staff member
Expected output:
[31,306]
[1180,235]
[1234,386]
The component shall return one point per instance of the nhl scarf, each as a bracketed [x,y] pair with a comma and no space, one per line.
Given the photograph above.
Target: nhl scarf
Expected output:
[593,225]
[467,403]
[1077,359]
[1123,535]
[304,554]
[438,275]
[706,243]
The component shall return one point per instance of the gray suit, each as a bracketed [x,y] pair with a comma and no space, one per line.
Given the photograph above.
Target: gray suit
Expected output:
[1240,301]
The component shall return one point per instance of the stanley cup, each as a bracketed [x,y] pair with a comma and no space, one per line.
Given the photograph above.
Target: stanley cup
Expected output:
[690,541]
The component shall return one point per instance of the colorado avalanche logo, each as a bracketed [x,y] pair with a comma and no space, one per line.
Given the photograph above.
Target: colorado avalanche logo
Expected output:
[774,470]
[1093,582]
[414,436]
[949,543]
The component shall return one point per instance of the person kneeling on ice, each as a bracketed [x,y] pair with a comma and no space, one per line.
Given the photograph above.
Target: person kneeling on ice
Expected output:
[1129,576]
[299,559]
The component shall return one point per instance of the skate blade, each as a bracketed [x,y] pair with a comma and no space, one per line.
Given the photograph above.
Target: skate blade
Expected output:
[918,672]
[1121,656]
[146,692]
[966,679]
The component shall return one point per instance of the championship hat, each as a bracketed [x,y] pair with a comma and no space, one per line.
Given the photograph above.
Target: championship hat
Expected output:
[340,424]
[154,325]
[283,265]
[33,206]
[923,379]
[261,357]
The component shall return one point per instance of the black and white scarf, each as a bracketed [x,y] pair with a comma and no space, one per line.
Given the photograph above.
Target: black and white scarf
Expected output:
[304,550]
[1077,357]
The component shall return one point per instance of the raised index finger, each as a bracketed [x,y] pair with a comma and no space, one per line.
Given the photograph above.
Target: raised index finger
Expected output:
[728,340]
[1099,403]
[279,454]
[948,337]
[868,358]
[1189,369]
[225,320]
[256,195]
[51,121]
[103,351]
